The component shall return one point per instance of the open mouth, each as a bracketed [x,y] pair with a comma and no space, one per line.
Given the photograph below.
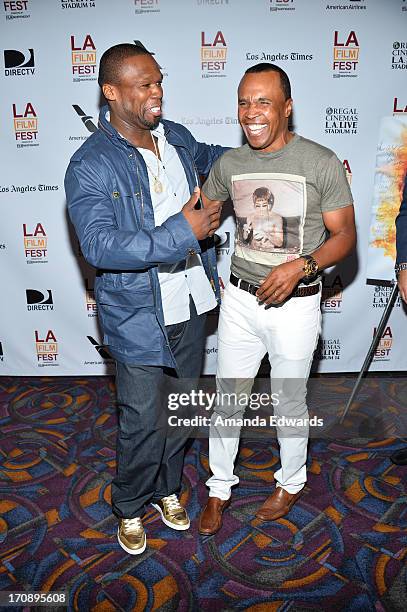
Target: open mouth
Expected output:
[155,110]
[255,129]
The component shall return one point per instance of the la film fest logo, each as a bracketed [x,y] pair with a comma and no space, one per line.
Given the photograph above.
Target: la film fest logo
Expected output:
[35,244]
[346,54]
[91,307]
[19,63]
[381,294]
[332,294]
[348,170]
[329,349]
[25,121]
[399,56]
[382,352]
[146,6]
[39,300]
[341,120]
[213,54]
[222,287]
[46,347]
[346,5]
[78,5]
[399,107]
[282,5]
[83,53]
[16,9]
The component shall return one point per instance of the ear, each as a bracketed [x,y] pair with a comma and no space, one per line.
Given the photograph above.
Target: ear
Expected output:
[109,92]
[288,107]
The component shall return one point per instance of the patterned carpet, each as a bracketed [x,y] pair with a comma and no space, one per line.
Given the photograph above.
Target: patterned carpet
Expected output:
[342,547]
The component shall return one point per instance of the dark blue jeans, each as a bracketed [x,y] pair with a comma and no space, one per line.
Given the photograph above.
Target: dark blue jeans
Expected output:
[149,453]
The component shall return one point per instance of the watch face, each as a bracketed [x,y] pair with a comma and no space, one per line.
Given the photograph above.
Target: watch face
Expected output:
[311,267]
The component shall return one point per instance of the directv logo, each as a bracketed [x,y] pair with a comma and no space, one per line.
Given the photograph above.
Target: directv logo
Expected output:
[17,63]
[37,300]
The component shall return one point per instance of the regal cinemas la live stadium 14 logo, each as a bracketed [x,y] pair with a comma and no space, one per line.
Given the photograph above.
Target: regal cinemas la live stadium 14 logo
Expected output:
[382,352]
[143,7]
[77,4]
[25,121]
[282,5]
[341,120]
[19,63]
[16,9]
[399,56]
[348,170]
[381,294]
[83,53]
[46,347]
[332,293]
[328,349]
[35,244]
[345,54]
[213,55]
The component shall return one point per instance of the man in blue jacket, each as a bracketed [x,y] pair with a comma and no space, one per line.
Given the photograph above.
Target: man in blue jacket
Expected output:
[129,197]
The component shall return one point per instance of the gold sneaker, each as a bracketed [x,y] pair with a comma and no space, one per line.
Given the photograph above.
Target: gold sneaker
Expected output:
[131,535]
[172,513]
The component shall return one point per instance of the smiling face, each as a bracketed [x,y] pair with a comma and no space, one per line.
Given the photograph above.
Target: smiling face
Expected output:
[263,111]
[135,100]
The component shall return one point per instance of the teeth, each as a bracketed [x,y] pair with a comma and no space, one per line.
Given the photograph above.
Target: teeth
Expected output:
[155,109]
[256,128]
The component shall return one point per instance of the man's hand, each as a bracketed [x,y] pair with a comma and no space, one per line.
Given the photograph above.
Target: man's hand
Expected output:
[402,283]
[281,282]
[204,221]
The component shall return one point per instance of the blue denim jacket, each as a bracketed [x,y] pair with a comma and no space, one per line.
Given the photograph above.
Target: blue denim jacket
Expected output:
[109,203]
[401,228]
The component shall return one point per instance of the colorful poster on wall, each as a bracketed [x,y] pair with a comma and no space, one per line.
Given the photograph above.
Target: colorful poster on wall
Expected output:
[391,168]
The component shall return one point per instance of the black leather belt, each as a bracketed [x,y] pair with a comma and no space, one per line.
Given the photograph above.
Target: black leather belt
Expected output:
[299,292]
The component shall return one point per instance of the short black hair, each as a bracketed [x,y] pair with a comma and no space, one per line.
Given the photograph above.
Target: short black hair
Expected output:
[111,61]
[264,194]
[266,67]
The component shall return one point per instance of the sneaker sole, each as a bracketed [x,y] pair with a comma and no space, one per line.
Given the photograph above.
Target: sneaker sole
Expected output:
[129,550]
[171,525]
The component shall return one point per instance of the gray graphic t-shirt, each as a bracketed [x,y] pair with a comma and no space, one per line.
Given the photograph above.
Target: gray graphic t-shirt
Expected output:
[278,199]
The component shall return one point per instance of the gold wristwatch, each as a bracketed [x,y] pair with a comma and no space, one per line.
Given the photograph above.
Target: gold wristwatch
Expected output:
[311,267]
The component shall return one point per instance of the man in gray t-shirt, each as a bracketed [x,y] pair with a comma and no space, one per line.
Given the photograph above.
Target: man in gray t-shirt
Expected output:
[294,217]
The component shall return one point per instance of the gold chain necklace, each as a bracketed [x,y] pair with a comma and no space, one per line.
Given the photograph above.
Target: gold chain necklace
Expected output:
[158,186]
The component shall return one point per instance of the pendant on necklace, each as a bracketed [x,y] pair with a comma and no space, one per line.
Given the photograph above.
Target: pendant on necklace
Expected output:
[158,186]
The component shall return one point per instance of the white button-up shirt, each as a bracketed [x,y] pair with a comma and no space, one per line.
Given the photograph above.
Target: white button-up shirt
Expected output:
[177,282]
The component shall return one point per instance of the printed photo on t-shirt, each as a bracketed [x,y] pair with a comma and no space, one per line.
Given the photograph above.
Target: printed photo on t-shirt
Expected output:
[270,211]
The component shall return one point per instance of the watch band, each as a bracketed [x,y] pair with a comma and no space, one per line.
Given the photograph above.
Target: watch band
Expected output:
[310,267]
[399,267]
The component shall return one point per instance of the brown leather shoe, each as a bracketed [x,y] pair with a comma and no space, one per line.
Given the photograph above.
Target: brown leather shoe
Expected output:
[277,505]
[211,518]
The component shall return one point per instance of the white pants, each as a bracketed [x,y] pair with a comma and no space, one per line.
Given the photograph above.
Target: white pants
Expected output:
[247,331]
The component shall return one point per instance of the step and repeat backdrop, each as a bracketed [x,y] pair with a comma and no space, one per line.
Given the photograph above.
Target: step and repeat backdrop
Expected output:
[347,61]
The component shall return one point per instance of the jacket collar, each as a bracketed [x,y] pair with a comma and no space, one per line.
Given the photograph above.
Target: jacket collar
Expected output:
[107,128]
